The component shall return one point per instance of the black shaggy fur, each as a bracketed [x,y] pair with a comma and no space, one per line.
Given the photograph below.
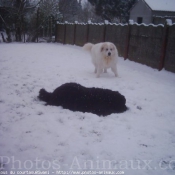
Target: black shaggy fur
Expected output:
[75,97]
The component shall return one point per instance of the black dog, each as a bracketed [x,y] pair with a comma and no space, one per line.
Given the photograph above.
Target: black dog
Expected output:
[78,98]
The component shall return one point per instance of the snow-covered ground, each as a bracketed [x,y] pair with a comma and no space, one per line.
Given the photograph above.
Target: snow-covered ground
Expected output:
[33,136]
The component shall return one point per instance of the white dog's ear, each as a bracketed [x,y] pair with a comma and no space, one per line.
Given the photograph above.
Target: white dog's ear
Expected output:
[112,46]
[103,47]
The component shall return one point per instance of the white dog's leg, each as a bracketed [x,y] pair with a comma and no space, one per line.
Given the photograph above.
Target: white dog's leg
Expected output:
[114,69]
[99,71]
[105,70]
[95,71]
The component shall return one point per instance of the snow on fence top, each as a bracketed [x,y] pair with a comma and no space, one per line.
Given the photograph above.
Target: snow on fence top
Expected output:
[131,22]
[100,24]
[116,24]
[147,25]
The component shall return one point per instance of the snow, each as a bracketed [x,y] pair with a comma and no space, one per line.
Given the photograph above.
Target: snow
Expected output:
[83,2]
[169,22]
[131,21]
[48,138]
[162,5]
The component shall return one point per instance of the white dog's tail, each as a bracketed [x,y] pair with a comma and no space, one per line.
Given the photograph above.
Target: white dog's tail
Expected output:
[88,46]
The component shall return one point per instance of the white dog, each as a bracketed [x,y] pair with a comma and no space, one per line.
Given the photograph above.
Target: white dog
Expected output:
[104,56]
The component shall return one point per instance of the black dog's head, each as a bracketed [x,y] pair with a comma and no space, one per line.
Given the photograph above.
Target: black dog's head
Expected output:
[119,102]
[44,95]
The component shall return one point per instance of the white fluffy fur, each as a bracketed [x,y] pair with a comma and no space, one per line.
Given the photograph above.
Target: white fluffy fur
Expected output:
[104,56]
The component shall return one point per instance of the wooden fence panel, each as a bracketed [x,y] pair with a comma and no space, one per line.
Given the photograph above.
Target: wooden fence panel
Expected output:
[145,45]
[70,34]
[81,34]
[117,34]
[170,50]
[96,33]
[60,35]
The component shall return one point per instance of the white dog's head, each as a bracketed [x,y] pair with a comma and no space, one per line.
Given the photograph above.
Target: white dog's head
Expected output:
[108,49]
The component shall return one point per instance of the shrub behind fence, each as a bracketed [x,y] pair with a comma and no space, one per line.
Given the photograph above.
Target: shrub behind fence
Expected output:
[149,45]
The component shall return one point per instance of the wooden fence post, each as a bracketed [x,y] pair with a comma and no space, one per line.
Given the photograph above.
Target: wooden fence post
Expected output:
[50,28]
[64,39]
[75,27]
[37,25]
[106,22]
[128,39]
[164,45]
[87,37]
[56,31]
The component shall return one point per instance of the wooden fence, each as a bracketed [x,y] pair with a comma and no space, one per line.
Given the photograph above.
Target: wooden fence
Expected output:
[150,45]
